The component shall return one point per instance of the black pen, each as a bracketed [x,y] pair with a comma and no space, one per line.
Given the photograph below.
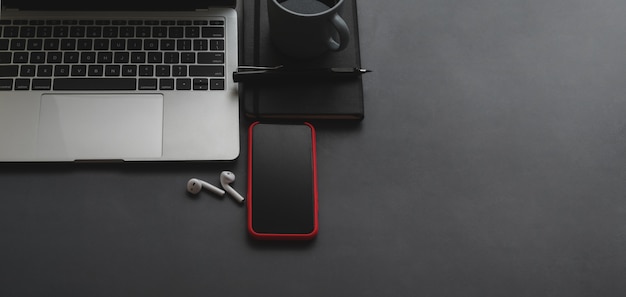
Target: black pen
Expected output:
[299,74]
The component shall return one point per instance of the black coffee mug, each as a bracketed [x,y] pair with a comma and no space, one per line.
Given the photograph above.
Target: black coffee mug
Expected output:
[307,28]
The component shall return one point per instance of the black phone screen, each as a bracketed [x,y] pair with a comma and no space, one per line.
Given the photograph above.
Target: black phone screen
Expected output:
[282,194]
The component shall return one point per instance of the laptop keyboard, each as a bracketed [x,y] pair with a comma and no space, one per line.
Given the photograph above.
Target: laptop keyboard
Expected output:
[112,55]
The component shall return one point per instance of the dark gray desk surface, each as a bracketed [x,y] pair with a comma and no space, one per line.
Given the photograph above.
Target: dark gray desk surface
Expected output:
[492,162]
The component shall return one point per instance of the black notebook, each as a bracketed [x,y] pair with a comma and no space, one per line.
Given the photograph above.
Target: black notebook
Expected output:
[302,100]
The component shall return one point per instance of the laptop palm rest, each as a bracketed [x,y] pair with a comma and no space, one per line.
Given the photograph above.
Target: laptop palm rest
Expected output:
[100,126]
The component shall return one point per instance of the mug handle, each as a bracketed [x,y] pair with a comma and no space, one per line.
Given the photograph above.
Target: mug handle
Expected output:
[344,34]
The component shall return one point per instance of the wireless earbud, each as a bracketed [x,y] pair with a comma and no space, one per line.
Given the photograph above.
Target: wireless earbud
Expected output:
[194,186]
[226,178]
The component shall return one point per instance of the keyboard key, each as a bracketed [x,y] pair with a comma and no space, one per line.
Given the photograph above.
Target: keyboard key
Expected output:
[44,70]
[134,44]
[41,84]
[70,57]
[151,44]
[11,31]
[179,70]
[163,70]
[109,31]
[54,57]
[6,84]
[166,84]
[118,44]
[129,70]
[34,44]
[183,44]
[147,83]
[68,44]
[84,44]
[88,57]
[101,44]
[60,31]
[20,57]
[37,57]
[206,71]
[138,57]
[183,84]
[155,57]
[200,45]
[146,70]
[159,32]
[187,57]
[62,70]
[192,32]
[51,44]
[210,58]
[213,32]
[28,70]
[77,31]
[143,32]
[5,58]
[176,32]
[216,44]
[79,70]
[121,57]
[22,84]
[105,57]
[93,84]
[44,31]
[171,58]
[200,84]
[94,31]
[168,44]
[127,32]
[8,70]
[217,84]
[112,70]
[95,70]
[18,44]
[28,31]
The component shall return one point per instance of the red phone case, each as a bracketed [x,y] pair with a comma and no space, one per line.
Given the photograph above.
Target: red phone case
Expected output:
[288,210]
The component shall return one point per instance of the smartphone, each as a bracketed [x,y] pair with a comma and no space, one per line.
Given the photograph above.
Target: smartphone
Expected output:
[282,181]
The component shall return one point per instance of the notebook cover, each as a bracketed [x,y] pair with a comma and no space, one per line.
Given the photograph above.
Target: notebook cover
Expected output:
[307,100]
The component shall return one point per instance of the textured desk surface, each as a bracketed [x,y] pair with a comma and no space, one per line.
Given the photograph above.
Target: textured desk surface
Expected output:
[491,162]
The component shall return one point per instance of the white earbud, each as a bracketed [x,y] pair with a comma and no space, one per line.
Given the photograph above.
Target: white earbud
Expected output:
[226,178]
[194,186]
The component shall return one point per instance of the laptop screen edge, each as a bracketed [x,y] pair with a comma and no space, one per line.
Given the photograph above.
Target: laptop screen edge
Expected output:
[114,5]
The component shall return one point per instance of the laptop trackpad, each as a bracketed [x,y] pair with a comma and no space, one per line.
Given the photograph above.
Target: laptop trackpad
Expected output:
[100,126]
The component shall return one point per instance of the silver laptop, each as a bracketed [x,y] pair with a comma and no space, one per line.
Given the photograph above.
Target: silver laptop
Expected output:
[130,80]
